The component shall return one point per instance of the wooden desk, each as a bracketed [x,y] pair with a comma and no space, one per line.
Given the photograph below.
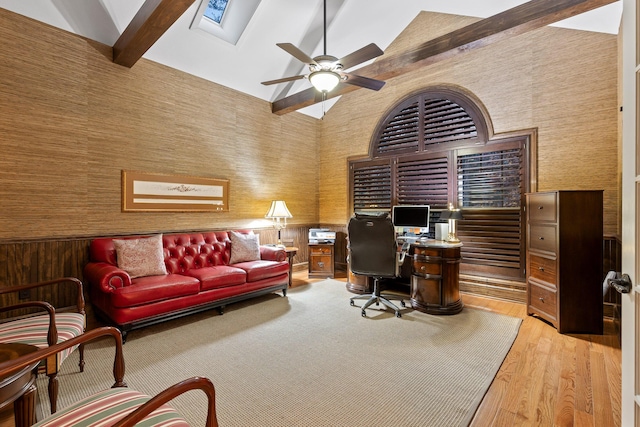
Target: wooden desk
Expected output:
[291,252]
[435,271]
[19,388]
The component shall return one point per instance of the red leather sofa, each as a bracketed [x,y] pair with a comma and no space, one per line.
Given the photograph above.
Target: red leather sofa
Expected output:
[199,277]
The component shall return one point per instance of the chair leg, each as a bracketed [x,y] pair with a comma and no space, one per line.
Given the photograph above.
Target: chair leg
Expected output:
[375,297]
[81,351]
[53,391]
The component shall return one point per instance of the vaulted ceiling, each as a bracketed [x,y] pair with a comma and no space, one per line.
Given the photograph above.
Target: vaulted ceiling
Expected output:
[166,31]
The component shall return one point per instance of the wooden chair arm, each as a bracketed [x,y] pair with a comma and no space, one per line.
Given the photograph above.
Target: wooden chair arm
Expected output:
[15,365]
[74,281]
[52,334]
[194,383]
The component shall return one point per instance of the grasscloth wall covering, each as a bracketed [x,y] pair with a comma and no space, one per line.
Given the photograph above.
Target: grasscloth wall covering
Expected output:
[563,82]
[71,120]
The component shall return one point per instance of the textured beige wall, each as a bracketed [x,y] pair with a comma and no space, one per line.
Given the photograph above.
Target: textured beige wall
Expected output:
[563,82]
[71,120]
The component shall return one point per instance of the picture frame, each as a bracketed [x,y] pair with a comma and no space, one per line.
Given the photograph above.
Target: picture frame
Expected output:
[156,192]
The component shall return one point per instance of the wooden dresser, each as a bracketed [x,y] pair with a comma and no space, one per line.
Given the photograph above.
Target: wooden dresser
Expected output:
[564,259]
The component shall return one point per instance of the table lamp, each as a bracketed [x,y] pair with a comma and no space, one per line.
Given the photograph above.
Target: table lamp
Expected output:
[278,213]
[452,215]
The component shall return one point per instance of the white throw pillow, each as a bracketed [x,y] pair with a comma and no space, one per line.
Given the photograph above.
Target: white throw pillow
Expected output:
[141,257]
[244,247]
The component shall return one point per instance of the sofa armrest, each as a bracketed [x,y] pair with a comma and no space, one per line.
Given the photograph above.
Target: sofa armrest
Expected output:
[272,253]
[106,276]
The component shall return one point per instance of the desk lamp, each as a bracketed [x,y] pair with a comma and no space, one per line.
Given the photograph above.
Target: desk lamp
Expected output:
[452,215]
[278,213]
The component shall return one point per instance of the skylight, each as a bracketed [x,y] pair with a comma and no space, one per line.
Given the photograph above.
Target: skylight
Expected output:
[215,10]
[225,19]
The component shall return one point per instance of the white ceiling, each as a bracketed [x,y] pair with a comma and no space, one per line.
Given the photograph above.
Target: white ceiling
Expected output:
[352,24]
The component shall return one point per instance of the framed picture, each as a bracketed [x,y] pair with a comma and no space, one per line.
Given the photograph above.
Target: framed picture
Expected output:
[145,192]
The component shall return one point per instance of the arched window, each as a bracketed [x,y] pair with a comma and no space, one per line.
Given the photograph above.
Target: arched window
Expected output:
[436,147]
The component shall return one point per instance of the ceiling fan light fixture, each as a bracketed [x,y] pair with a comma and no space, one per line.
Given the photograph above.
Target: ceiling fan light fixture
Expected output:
[324,80]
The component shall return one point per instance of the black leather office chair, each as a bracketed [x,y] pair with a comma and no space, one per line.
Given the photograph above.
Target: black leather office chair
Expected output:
[373,252]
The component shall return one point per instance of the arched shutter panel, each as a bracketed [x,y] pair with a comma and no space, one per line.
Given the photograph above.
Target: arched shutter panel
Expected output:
[401,132]
[445,121]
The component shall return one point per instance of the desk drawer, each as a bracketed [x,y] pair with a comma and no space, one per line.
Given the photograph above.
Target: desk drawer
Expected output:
[429,252]
[543,269]
[427,266]
[542,207]
[542,237]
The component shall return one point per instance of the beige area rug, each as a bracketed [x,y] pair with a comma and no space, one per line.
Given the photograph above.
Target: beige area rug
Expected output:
[310,359]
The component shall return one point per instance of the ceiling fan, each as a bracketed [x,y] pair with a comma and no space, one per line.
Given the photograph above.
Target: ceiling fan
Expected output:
[326,71]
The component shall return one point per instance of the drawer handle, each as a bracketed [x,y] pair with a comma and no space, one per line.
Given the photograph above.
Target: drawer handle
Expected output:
[540,238]
[540,207]
[321,264]
[423,268]
[541,268]
[541,299]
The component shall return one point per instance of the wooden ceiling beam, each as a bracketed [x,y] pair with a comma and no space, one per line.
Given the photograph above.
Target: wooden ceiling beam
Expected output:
[152,20]
[515,21]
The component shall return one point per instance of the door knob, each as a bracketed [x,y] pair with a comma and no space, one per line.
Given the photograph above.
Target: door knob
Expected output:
[621,283]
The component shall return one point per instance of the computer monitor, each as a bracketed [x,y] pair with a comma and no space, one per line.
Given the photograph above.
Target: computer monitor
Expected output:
[409,217]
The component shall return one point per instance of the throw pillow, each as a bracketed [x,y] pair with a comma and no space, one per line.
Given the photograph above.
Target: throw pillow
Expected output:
[244,247]
[141,257]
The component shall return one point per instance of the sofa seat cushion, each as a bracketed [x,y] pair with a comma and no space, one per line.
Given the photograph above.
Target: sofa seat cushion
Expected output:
[144,290]
[258,270]
[108,407]
[218,276]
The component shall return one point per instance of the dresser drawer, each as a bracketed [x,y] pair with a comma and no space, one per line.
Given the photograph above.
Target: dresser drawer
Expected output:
[543,300]
[542,207]
[542,238]
[320,250]
[543,269]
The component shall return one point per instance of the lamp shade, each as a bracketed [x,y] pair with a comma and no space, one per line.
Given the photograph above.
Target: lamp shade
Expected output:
[451,214]
[278,209]
[324,80]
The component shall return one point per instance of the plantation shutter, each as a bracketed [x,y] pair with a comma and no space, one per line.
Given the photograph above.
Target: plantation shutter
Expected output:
[423,180]
[401,132]
[445,121]
[433,149]
[490,191]
[371,186]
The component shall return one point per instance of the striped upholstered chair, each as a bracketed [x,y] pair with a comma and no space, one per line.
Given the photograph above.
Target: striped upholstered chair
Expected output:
[118,406]
[43,330]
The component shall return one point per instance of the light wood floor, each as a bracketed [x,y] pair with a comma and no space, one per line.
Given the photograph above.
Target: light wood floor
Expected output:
[547,379]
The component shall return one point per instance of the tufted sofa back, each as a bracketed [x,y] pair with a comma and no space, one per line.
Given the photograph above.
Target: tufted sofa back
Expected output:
[182,251]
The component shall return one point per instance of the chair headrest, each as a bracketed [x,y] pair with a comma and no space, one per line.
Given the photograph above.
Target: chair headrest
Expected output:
[371,215]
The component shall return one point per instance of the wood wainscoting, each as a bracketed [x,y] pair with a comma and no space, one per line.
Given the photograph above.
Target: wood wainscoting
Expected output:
[30,261]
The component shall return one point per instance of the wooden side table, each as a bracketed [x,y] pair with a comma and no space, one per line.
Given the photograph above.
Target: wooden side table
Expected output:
[19,388]
[291,252]
[321,257]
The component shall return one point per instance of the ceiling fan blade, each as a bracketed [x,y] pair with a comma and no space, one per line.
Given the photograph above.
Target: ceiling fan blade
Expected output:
[364,54]
[365,82]
[285,79]
[296,53]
